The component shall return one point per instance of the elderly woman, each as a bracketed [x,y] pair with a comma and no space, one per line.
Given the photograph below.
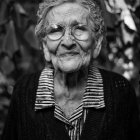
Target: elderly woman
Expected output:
[71,99]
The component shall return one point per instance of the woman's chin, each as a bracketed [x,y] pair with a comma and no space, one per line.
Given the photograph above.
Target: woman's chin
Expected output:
[70,66]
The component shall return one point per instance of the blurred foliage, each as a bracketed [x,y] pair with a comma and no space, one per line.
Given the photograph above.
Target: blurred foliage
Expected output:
[20,52]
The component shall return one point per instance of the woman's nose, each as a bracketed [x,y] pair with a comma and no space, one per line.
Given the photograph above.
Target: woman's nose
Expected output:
[68,40]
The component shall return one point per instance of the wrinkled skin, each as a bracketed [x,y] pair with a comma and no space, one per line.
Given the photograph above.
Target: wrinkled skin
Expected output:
[68,54]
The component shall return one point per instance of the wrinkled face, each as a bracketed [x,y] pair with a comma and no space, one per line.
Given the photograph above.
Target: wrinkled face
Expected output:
[68,53]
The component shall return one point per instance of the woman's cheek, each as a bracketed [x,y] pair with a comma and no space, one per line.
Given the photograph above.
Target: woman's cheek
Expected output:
[52,46]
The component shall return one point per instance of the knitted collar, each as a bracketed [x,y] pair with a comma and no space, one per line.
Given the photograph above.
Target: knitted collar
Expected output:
[93,95]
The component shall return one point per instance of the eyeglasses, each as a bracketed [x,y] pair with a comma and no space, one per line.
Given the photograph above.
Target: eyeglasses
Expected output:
[79,32]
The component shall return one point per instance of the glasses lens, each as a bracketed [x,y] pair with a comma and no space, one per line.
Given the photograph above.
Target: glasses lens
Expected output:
[81,32]
[55,33]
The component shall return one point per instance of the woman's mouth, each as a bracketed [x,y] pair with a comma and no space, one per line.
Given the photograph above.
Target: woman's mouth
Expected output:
[68,54]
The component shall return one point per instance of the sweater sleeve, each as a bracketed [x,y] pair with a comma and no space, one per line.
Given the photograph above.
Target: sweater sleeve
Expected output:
[127,107]
[11,124]
[134,120]
[20,101]
[122,108]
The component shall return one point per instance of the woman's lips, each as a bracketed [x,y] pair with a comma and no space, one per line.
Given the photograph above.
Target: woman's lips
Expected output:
[66,54]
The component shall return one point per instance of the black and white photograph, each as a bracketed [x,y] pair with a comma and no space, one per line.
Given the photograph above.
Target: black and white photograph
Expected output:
[69,69]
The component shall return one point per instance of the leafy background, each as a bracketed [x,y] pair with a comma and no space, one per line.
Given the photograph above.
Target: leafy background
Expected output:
[20,52]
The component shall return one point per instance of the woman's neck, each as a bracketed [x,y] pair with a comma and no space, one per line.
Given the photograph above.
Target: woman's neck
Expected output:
[68,84]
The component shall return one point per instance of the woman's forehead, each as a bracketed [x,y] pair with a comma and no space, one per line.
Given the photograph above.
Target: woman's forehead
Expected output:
[67,12]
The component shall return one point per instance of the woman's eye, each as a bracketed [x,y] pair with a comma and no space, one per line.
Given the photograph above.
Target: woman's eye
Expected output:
[55,30]
[81,28]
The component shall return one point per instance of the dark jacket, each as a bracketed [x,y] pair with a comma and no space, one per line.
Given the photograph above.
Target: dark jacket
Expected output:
[117,121]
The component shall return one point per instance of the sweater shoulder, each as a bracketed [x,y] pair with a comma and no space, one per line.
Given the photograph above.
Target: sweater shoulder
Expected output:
[115,79]
[26,84]
[117,86]
[27,79]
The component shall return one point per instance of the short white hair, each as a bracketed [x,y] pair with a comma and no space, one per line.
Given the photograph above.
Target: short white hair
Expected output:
[95,16]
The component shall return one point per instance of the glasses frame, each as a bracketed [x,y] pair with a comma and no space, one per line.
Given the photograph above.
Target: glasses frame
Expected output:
[71,31]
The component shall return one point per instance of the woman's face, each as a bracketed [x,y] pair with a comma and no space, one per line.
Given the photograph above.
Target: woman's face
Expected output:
[73,50]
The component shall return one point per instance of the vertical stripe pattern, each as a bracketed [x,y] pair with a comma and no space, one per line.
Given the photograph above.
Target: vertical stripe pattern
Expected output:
[93,97]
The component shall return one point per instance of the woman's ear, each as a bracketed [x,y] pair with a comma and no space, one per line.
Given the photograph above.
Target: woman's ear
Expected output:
[46,52]
[97,49]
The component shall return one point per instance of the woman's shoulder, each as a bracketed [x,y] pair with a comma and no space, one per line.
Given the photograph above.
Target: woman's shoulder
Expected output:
[117,84]
[118,88]
[25,84]
[115,78]
[25,87]
[27,79]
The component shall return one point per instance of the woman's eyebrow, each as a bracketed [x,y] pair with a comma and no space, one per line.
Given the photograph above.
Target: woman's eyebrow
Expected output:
[75,22]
